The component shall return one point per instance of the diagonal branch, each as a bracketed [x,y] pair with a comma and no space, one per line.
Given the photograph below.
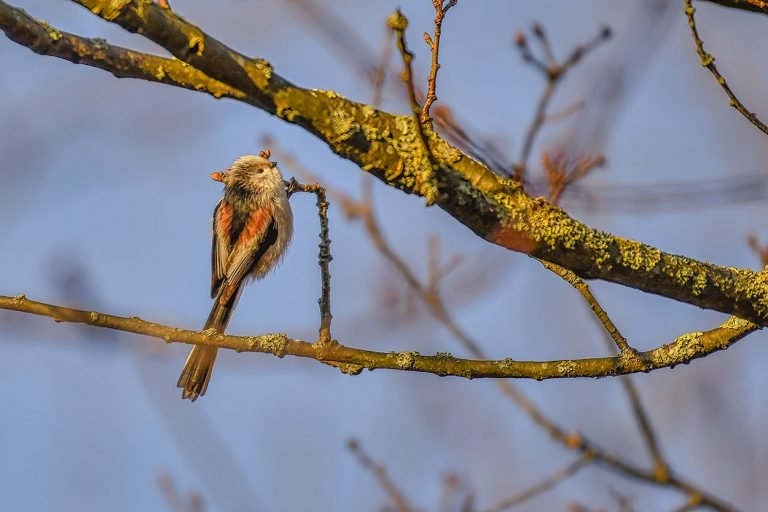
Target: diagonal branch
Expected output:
[544,485]
[747,5]
[382,477]
[708,61]
[43,39]
[660,465]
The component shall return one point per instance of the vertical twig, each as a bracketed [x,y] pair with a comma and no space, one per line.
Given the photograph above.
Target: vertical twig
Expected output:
[324,256]
[553,71]
[434,45]
[399,23]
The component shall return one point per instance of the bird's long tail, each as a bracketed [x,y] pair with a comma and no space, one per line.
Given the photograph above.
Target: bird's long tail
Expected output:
[197,369]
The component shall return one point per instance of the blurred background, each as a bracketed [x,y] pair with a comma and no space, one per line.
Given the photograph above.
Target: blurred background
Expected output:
[105,204]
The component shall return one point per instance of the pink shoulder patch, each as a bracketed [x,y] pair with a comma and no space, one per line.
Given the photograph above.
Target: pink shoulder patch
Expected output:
[255,227]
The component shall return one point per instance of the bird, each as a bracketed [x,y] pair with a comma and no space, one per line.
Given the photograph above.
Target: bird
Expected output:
[252,228]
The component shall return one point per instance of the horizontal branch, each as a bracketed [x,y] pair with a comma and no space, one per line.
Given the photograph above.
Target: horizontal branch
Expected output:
[389,147]
[353,360]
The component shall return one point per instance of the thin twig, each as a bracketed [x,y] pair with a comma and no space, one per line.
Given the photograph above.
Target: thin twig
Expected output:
[761,251]
[624,348]
[661,467]
[692,503]
[553,71]
[380,74]
[380,473]
[544,485]
[561,172]
[708,61]
[434,45]
[324,257]
[642,418]
[564,113]
[398,23]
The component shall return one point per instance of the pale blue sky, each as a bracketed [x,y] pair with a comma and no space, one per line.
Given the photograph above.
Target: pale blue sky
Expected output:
[112,176]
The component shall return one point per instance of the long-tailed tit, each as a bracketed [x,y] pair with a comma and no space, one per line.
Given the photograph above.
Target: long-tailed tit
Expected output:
[252,226]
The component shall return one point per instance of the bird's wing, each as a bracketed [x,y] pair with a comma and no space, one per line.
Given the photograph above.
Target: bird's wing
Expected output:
[257,236]
[220,248]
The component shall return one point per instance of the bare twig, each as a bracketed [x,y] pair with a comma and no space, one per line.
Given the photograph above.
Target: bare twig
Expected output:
[398,23]
[434,45]
[708,61]
[562,173]
[380,473]
[192,502]
[624,348]
[692,503]
[380,74]
[553,71]
[324,257]
[661,467]
[564,113]
[760,250]
[544,485]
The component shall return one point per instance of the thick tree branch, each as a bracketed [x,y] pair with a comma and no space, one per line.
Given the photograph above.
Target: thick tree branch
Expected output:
[496,209]
[353,360]
[746,5]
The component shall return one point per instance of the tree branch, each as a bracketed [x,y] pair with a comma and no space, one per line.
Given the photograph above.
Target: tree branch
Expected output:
[43,39]
[434,46]
[382,477]
[746,5]
[708,61]
[543,486]
[324,258]
[353,360]
[554,72]
[496,209]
